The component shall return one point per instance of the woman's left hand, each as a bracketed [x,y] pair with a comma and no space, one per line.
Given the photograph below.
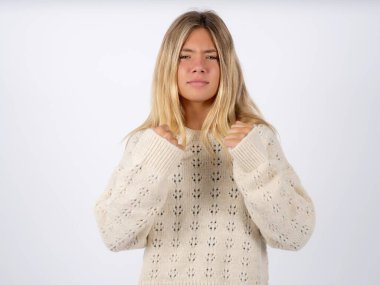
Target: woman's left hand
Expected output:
[237,132]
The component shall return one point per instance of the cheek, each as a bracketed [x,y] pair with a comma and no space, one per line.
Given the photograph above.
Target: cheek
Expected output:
[181,74]
[215,70]
[181,80]
[216,76]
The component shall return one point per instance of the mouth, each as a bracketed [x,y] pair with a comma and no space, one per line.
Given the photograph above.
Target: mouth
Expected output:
[198,83]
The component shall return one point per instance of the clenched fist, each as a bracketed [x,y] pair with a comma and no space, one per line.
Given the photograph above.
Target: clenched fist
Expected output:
[237,132]
[164,131]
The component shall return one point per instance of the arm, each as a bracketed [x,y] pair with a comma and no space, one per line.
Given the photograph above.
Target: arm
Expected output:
[136,191]
[273,194]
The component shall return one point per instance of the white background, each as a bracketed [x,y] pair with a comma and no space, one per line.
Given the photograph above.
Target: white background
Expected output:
[75,77]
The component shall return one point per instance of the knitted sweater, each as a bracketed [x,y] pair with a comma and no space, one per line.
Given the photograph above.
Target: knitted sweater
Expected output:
[204,220]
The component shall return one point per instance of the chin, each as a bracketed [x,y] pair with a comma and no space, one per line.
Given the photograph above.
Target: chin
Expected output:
[198,98]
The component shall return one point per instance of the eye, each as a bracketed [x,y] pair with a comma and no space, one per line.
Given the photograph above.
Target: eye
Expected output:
[213,57]
[183,56]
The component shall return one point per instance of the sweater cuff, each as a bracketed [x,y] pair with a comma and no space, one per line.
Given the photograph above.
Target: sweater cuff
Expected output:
[250,152]
[156,152]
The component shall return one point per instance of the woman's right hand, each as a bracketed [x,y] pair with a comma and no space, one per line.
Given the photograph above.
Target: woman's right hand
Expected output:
[164,131]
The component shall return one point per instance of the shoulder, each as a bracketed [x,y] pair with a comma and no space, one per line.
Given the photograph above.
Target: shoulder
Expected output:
[134,137]
[265,132]
[269,139]
[272,143]
[133,145]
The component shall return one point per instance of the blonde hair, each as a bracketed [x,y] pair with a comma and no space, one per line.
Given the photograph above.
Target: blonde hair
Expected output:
[232,101]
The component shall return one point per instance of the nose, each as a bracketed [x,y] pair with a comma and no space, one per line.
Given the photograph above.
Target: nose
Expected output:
[199,66]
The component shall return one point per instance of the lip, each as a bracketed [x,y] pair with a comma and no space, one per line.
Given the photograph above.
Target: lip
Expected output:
[198,82]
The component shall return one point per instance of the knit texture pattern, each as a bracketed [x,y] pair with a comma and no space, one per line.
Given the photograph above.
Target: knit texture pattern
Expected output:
[204,220]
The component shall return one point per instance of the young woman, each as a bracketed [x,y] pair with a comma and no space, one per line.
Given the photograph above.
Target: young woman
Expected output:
[203,183]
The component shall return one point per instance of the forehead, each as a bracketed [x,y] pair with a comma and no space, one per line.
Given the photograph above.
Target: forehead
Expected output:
[200,38]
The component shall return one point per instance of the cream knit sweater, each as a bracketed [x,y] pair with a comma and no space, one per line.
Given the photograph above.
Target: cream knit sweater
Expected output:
[204,220]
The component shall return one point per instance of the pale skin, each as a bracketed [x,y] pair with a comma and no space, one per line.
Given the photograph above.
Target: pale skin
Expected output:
[198,77]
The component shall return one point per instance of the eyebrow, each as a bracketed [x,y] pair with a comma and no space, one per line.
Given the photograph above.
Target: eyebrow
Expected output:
[205,51]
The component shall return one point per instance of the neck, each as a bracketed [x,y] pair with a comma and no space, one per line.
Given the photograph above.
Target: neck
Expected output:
[195,113]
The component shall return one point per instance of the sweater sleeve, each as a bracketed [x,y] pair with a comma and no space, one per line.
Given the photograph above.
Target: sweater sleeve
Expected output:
[273,194]
[136,191]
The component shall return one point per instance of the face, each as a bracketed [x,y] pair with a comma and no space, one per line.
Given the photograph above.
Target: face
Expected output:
[198,69]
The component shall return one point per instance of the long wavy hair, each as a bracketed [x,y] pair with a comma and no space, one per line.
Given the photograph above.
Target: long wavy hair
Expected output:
[232,101]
